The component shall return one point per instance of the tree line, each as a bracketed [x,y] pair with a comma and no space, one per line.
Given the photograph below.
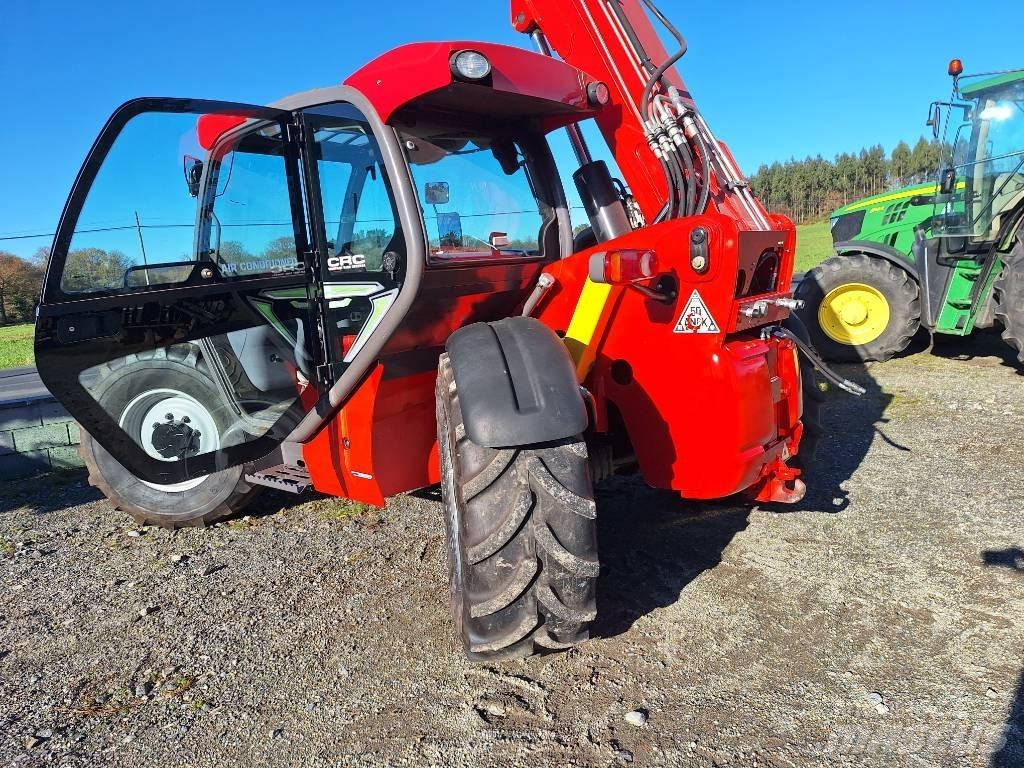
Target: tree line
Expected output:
[20,283]
[810,189]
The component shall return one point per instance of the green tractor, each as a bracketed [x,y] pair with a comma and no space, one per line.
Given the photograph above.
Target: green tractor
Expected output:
[947,256]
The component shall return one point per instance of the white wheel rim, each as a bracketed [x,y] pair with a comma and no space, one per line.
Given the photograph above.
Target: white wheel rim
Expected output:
[160,403]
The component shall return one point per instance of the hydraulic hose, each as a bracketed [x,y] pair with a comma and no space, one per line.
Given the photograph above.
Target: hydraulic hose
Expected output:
[705,174]
[812,357]
[691,186]
[685,180]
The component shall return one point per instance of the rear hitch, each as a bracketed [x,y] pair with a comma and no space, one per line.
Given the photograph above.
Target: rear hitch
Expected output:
[782,484]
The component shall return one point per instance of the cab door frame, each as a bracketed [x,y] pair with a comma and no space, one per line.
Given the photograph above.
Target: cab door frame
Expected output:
[77,331]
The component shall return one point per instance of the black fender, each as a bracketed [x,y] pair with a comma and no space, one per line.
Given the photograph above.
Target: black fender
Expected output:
[516,382]
[882,251]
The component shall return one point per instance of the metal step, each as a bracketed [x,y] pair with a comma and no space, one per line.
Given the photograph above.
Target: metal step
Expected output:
[283,477]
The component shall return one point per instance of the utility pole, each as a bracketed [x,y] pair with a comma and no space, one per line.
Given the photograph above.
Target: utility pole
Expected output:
[142,245]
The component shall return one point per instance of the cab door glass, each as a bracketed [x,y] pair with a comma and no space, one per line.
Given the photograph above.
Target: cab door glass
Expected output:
[251,220]
[138,212]
[358,211]
[139,227]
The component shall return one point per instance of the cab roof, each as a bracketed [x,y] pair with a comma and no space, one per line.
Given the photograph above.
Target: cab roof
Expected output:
[522,84]
[992,82]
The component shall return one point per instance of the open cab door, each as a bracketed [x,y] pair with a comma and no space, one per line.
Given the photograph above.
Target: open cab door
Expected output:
[174,318]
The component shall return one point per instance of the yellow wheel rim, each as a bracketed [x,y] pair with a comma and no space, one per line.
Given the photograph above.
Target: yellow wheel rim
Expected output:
[854,314]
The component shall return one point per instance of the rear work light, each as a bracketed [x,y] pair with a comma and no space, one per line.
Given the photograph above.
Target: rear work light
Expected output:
[598,94]
[623,267]
[470,65]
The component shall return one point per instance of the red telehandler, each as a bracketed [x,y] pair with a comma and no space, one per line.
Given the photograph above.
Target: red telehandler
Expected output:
[374,287]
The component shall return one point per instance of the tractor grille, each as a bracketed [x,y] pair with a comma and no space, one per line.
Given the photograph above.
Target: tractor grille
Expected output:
[847,226]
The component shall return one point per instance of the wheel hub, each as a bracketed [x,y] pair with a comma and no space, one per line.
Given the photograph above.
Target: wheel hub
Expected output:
[175,439]
[854,314]
[171,425]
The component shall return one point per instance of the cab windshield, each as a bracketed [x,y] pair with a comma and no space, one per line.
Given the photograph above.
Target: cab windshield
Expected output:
[988,157]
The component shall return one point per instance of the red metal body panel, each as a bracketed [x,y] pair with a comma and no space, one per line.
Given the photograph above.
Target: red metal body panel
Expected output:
[410,72]
[388,429]
[383,442]
[707,414]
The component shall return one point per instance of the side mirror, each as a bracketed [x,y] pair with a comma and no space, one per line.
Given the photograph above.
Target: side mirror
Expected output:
[498,240]
[449,230]
[934,119]
[193,174]
[436,193]
[947,181]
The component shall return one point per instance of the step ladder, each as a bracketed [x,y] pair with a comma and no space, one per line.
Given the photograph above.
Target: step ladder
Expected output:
[283,477]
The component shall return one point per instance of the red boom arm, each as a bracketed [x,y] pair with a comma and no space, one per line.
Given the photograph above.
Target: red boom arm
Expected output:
[615,41]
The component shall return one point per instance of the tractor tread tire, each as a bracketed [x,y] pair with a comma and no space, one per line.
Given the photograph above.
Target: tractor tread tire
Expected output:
[1009,298]
[228,502]
[240,497]
[901,292]
[522,538]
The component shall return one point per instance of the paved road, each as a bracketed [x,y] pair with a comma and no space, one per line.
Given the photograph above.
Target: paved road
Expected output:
[20,384]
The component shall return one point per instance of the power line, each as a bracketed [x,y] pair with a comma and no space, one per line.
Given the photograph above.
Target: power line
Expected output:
[253,224]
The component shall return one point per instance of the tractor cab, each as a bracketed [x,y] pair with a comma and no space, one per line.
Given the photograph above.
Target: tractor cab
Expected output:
[987,157]
[979,199]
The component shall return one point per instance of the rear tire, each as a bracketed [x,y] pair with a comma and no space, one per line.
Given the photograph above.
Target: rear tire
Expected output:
[898,288]
[176,369]
[522,538]
[1009,298]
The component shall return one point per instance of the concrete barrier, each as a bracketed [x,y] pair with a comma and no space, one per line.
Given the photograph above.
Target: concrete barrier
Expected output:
[36,436]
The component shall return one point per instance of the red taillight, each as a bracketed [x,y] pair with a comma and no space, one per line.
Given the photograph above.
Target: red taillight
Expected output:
[621,267]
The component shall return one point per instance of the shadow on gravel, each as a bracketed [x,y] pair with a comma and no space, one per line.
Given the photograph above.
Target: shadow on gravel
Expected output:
[652,544]
[850,426]
[1011,752]
[48,493]
[980,344]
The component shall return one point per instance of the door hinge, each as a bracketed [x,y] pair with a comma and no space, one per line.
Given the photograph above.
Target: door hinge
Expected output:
[294,132]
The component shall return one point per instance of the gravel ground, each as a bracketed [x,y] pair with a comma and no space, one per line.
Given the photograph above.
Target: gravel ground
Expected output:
[875,624]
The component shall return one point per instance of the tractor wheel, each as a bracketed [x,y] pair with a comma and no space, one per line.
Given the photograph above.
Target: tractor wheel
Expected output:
[859,307]
[522,538]
[814,390]
[1009,298]
[139,392]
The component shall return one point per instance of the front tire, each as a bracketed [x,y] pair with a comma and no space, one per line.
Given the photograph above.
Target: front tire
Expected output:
[859,307]
[522,538]
[131,390]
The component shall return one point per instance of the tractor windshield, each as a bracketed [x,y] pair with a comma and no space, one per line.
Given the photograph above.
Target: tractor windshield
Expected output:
[988,158]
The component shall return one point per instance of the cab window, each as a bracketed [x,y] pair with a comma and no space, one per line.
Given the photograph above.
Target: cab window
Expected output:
[477,194]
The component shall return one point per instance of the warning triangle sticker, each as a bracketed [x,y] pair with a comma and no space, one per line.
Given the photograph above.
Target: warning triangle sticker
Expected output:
[696,318]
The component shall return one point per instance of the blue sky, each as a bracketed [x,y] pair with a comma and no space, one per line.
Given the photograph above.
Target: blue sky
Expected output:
[774,79]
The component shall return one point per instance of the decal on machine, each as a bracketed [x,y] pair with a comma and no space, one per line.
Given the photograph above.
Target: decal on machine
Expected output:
[346,261]
[696,317]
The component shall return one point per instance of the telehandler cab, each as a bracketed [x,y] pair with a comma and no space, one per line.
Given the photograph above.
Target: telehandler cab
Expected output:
[372,288]
[948,256]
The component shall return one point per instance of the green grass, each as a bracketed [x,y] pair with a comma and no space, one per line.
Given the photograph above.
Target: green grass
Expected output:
[813,245]
[16,345]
